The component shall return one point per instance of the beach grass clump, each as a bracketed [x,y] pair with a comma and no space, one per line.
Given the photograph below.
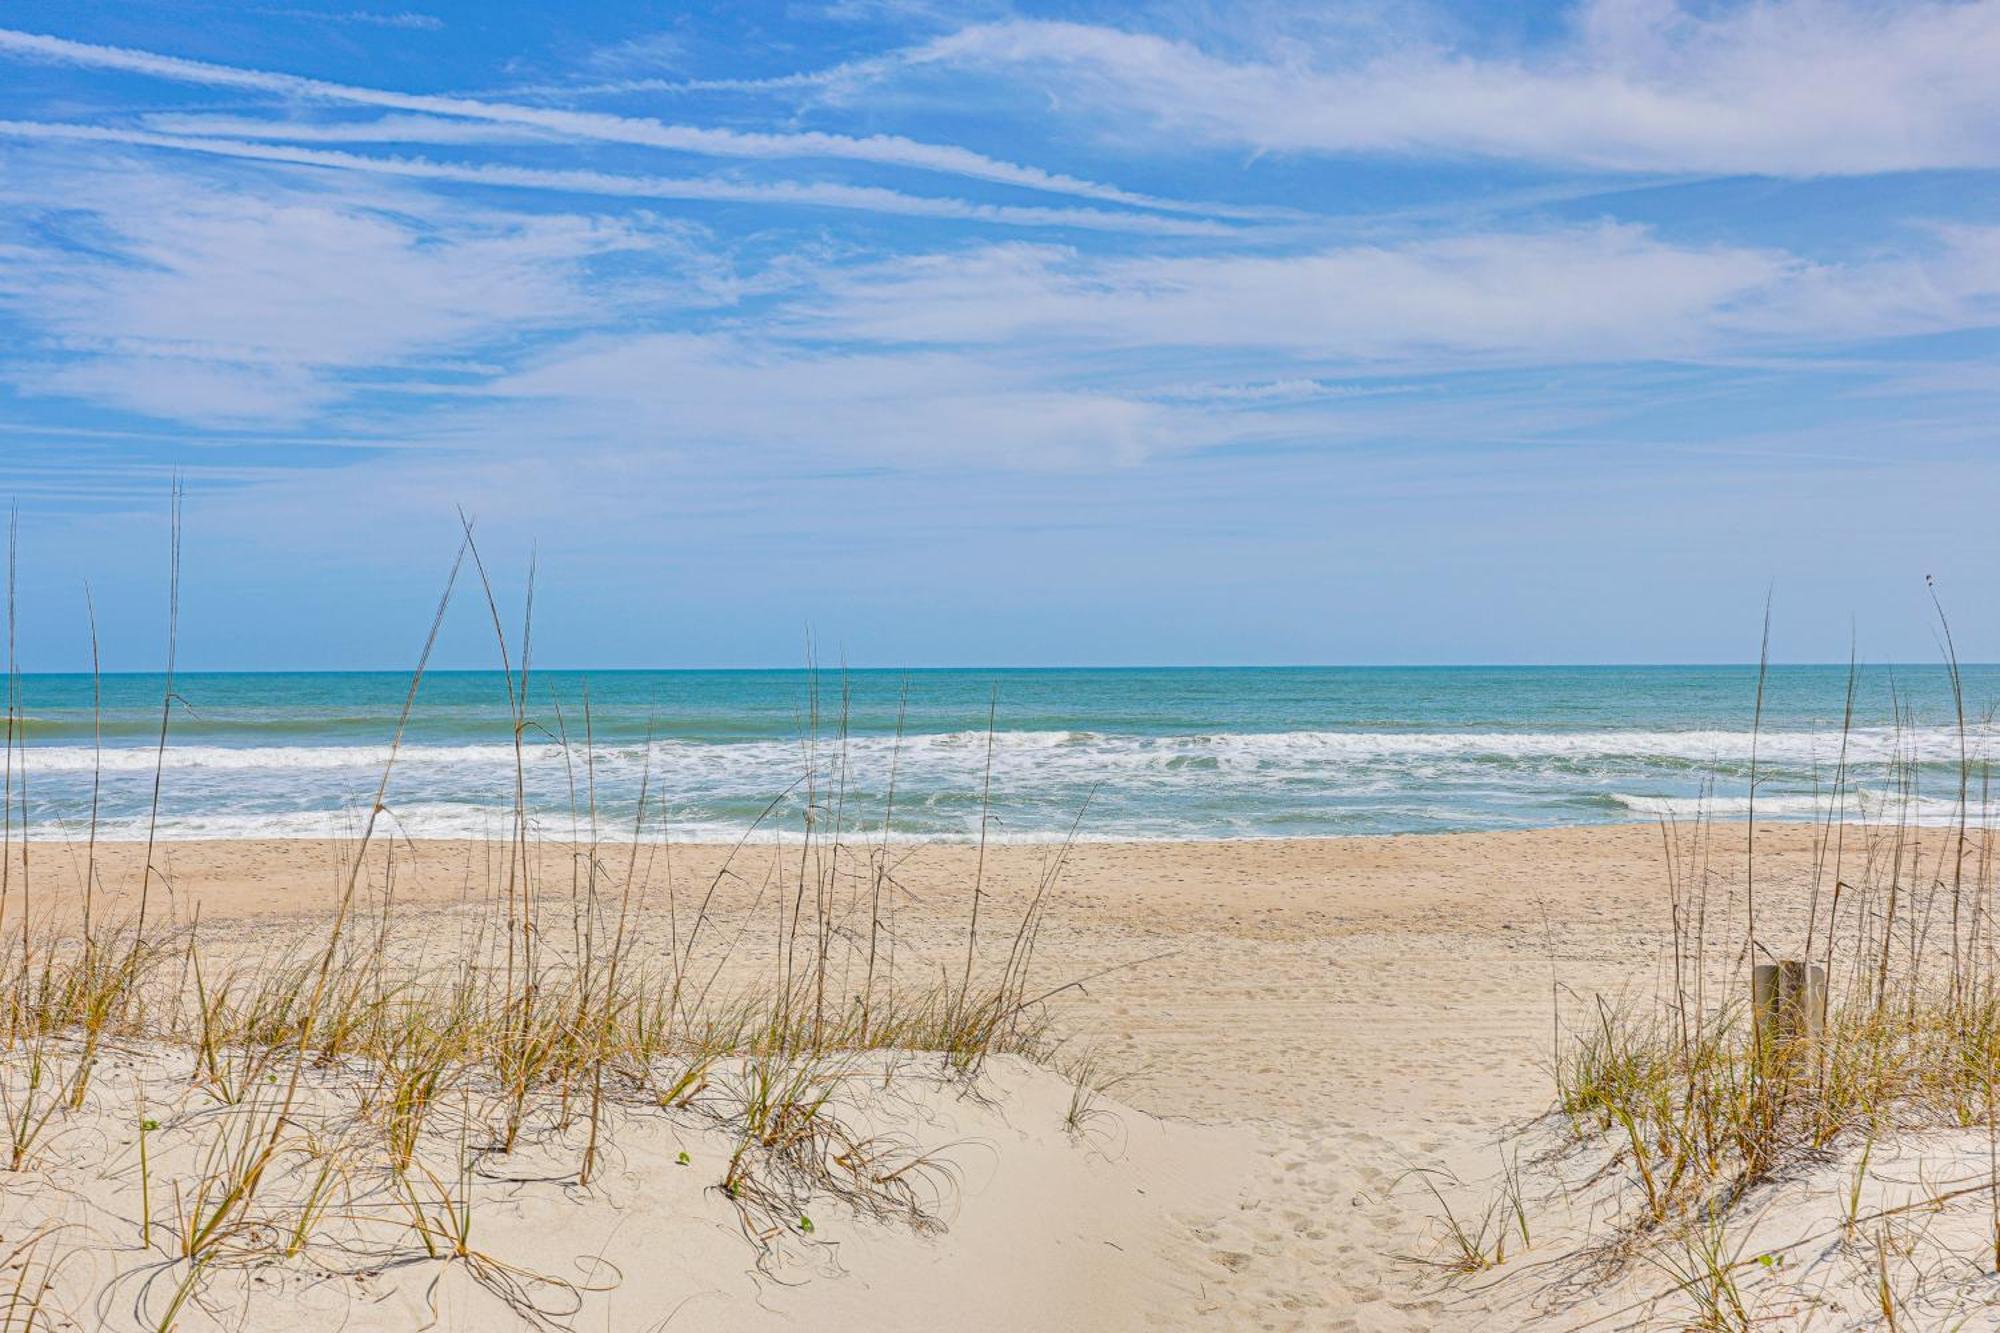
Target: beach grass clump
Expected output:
[345,1098]
[1876,1019]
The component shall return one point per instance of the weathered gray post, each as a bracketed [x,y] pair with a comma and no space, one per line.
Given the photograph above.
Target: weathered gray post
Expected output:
[1789,999]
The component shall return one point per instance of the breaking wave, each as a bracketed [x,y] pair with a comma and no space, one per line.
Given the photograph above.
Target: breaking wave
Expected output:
[1205,784]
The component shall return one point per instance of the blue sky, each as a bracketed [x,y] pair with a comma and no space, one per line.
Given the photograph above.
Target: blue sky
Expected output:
[1005,334]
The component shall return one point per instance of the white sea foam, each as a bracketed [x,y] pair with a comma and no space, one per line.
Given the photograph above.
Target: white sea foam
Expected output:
[445,821]
[1861,804]
[1201,785]
[1869,745]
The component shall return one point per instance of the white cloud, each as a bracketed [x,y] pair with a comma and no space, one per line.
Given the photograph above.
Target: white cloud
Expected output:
[865,198]
[654,50]
[1599,293]
[1783,87]
[883,149]
[1951,280]
[381,129]
[406,19]
[208,304]
[182,387]
[910,408]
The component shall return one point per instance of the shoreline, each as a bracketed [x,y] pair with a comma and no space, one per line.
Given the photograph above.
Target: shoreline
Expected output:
[42,835]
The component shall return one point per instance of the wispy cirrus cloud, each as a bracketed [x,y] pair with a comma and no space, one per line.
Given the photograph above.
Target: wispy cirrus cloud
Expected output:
[879,149]
[862,198]
[1596,293]
[407,19]
[1601,292]
[402,129]
[203,304]
[1787,88]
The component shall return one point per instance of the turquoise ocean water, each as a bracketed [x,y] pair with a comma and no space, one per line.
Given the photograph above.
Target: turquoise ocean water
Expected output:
[1169,753]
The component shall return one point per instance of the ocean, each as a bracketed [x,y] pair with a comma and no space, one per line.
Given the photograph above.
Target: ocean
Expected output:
[1107,754]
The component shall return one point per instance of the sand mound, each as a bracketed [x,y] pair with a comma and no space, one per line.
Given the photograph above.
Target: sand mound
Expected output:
[1012,1218]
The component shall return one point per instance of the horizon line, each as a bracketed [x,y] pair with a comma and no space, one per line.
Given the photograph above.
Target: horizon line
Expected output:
[1036,667]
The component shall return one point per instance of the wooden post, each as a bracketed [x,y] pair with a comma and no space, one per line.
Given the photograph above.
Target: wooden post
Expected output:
[1789,1000]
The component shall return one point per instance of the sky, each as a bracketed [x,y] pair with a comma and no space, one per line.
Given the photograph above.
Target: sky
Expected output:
[998,334]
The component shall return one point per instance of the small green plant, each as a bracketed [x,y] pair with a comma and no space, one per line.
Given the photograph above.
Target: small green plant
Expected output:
[1087,1083]
[1472,1245]
[1704,1268]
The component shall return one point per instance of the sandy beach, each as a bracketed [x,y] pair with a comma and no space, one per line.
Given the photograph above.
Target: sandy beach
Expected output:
[1290,1030]
[1312,981]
